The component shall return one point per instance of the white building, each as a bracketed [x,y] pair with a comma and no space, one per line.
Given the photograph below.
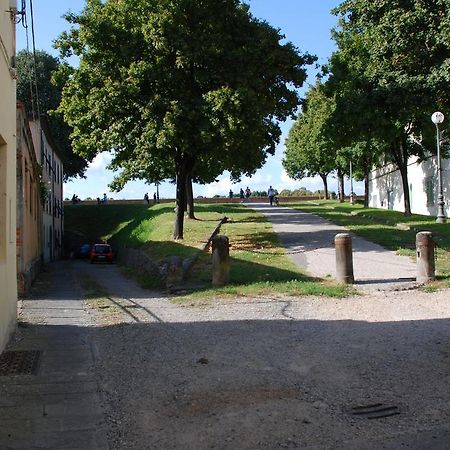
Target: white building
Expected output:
[52,177]
[386,190]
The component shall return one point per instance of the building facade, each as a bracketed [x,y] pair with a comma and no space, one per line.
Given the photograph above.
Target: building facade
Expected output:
[386,190]
[8,285]
[52,187]
[29,211]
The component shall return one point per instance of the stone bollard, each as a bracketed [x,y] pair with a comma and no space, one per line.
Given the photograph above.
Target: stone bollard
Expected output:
[344,258]
[425,256]
[220,260]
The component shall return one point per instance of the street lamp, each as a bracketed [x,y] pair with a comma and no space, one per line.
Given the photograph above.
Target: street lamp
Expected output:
[438,118]
[352,199]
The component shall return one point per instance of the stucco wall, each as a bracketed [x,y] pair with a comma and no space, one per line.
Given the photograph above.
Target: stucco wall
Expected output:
[29,212]
[52,175]
[8,286]
[385,187]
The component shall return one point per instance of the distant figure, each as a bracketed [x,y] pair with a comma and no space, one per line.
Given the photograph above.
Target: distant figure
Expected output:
[242,194]
[75,199]
[248,192]
[155,198]
[104,199]
[98,201]
[146,199]
[271,194]
[230,194]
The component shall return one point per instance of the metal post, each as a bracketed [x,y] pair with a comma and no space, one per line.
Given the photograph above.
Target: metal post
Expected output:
[440,215]
[157,191]
[351,183]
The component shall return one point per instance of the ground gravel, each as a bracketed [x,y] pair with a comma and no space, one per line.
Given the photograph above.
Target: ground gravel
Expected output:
[266,373]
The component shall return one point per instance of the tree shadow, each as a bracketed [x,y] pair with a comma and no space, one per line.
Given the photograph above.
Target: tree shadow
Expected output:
[278,381]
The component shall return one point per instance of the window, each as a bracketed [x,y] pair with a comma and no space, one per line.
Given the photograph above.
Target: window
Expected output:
[429,189]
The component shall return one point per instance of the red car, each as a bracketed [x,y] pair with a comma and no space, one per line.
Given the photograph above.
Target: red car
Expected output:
[101,252]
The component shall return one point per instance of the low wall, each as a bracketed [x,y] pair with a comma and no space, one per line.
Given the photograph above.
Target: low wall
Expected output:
[200,200]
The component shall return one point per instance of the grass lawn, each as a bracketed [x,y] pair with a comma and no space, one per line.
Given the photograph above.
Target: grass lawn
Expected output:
[259,265]
[391,229]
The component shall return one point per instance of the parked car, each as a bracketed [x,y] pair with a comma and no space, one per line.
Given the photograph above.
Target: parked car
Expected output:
[83,251]
[101,252]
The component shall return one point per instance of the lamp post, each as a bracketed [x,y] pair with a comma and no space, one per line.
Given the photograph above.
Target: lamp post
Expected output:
[351,184]
[157,183]
[438,118]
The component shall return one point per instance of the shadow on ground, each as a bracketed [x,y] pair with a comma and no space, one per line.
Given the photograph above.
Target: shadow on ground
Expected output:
[253,384]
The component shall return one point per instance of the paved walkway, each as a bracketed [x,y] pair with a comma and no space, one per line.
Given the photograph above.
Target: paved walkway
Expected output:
[309,240]
[58,407]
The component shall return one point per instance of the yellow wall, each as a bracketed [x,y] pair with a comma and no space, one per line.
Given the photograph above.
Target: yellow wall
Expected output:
[29,212]
[8,284]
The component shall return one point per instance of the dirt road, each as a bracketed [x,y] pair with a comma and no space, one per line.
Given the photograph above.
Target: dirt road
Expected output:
[365,372]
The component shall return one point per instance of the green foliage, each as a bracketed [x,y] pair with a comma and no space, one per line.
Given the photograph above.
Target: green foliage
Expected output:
[310,149]
[37,73]
[178,88]
[296,192]
[389,74]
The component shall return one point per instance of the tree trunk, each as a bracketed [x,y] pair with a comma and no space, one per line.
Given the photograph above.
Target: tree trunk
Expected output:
[340,176]
[366,190]
[190,197]
[181,174]
[399,151]
[325,184]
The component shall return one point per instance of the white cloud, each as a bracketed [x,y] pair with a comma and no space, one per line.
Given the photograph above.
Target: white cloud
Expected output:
[99,163]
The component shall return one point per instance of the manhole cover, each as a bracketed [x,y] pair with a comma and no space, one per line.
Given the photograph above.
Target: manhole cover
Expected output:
[19,362]
[375,411]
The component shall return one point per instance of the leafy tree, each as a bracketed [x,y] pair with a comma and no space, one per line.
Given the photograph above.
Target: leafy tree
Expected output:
[397,55]
[178,88]
[36,74]
[309,148]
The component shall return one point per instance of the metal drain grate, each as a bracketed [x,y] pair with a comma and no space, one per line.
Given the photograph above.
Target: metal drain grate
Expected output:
[19,363]
[375,411]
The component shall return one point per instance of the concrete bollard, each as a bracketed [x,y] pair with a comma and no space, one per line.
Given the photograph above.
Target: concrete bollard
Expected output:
[425,256]
[220,260]
[344,258]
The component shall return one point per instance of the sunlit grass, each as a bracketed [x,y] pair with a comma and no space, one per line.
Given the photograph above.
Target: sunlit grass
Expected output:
[259,264]
[390,229]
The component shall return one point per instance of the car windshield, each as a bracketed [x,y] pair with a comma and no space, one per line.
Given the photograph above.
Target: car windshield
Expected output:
[102,249]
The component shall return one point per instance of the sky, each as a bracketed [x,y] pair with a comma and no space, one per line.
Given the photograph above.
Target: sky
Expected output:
[305,23]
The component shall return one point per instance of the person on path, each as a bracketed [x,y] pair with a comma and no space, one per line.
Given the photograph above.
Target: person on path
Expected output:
[248,192]
[230,194]
[146,199]
[271,194]
[242,195]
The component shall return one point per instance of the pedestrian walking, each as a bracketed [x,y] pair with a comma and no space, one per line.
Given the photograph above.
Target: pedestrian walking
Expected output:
[146,199]
[248,192]
[271,194]
[242,195]
[230,194]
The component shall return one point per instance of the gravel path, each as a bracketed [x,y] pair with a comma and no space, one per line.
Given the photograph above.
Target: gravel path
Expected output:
[271,373]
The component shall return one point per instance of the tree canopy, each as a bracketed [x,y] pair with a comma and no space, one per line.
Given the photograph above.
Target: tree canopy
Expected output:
[178,88]
[36,72]
[389,73]
[310,149]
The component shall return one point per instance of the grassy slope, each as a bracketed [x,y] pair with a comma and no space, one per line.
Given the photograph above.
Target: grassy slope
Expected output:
[258,263]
